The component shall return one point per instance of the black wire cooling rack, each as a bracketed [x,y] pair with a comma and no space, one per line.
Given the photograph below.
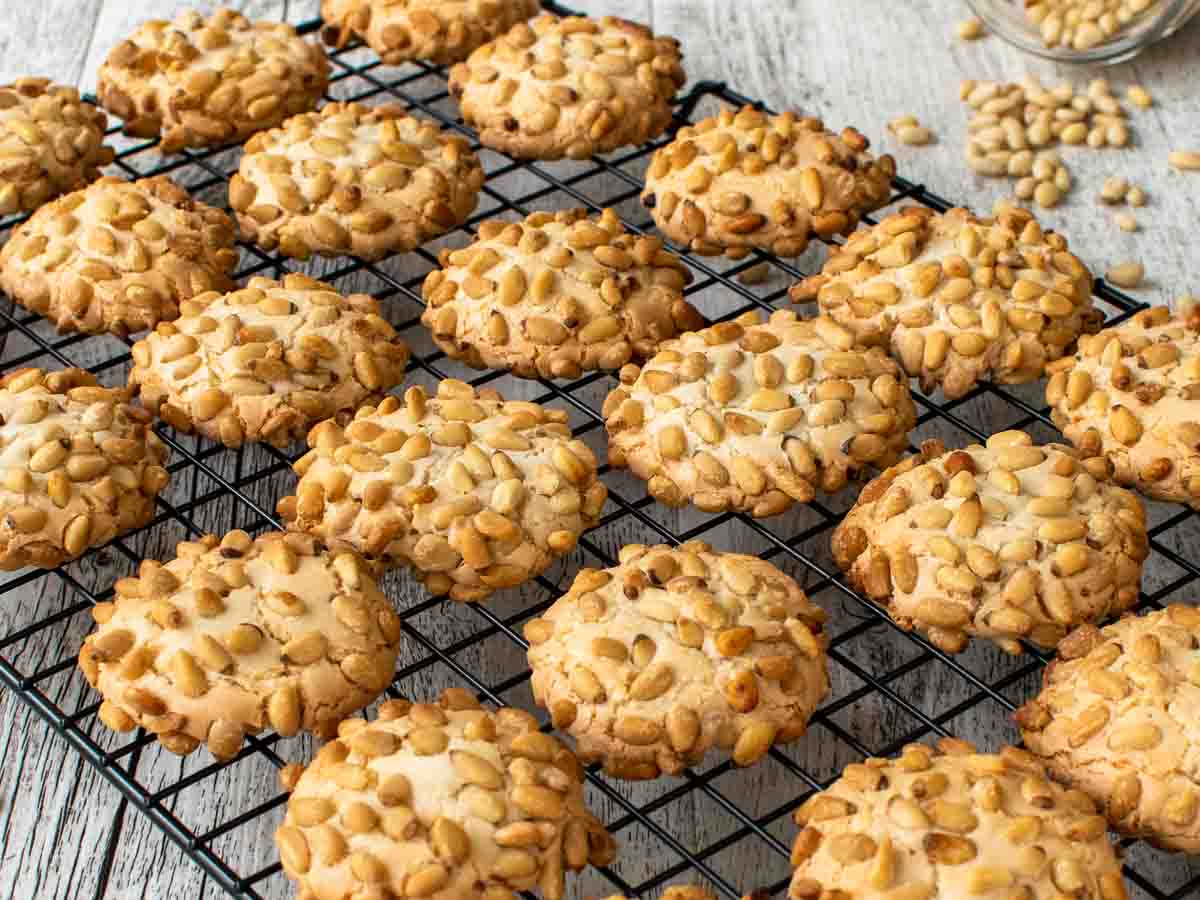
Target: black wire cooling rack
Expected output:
[720,825]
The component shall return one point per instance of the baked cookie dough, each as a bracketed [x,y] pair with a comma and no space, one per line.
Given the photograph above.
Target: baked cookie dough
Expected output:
[1117,718]
[353,180]
[950,824]
[753,416]
[241,634]
[556,295]
[1132,395]
[51,142]
[118,256]
[437,31]
[474,492]
[78,466]
[744,179]
[957,299]
[572,87]
[441,800]
[200,81]
[1006,541]
[650,664]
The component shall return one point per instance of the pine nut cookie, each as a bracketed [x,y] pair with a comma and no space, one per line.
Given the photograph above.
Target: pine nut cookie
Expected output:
[652,663]
[1006,541]
[438,31]
[754,415]
[269,361]
[443,800]
[572,87]
[957,299]
[951,823]
[744,179]
[51,142]
[237,635]
[199,81]
[473,492]
[118,256]
[353,180]
[79,466]
[557,295]
[1116,719]
[1132,395]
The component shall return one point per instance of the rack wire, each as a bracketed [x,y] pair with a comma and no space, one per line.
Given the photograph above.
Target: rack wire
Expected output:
[717,824]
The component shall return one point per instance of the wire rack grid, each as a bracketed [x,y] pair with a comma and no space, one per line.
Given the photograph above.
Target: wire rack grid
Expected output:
[721,825]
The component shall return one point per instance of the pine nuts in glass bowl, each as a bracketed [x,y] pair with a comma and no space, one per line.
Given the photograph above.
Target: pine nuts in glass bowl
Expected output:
[1084,31]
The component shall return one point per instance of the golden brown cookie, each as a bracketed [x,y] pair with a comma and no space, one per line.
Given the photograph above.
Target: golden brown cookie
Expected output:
[572,87]
[353,180]
[754,415]
[957,299]
[446,801]
[651,663]
[79,466]
[199,81]
[743,179]
[269,361]
[238,635]
[118,256]
[556,295]
[1006,541]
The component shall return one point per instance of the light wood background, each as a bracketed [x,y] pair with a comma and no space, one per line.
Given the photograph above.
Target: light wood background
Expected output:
[65,833]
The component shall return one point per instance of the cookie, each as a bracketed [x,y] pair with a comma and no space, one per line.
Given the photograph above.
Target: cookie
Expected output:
[118,256]
[957,299]
[1117,719]
[199,81]
[269,361]
[557,295]
[80,466]
[441,800]
[238,635]
[949,824]
[355,181]
[1132,395]
[652,663]
[1006,541]
[744,179]
[474,492]
[572,87]
[753,416]
[437,31]
[51,143]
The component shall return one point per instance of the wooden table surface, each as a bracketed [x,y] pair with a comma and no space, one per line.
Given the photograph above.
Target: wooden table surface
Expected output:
[64,832]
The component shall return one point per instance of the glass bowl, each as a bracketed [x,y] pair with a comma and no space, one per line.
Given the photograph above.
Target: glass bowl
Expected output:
[1007,18]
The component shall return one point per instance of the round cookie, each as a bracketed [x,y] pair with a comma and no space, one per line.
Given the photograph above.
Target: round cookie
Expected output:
[199,82]
[650,664]
[353,180]
[268,361]
[951,824]
[557,295]
[118,256]
[957,299]
[754,416]
[441,800]
[1132,395]
[1006,541]
[1117,718]
[51,142]
[238,635]
[474,492]
[438,31]
[572,87]
[743,179]
[78,466]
